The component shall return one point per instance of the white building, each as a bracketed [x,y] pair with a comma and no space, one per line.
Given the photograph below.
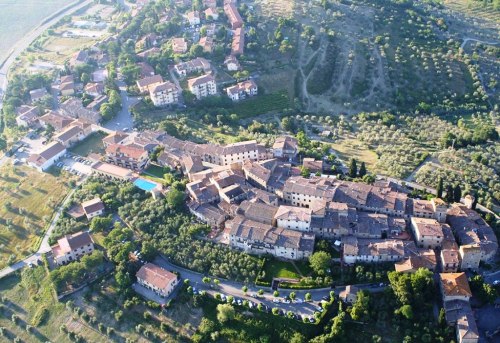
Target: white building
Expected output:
[93,208]
[159,280]
[193,18]
[242,90]
[293,218]
[72,247]
[164,94]
[258,238]
[45,158]
[372,250]
[202,86]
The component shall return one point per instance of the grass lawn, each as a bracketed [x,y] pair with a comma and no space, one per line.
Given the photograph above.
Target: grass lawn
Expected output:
[156,171]
[282,269]
[29,199]
[91,144]
[353,148]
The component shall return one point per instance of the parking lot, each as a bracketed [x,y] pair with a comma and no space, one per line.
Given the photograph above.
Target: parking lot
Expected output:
[75,165]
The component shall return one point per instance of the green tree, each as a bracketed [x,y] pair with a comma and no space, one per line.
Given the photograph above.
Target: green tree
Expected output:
[244,289]
[307,297]
[362,170]
[320,261]
[440,188]
[353,168]
[99,224]
[276,294]
[406,311]
[175,198]
[225,313]
[449,194]
[293,295]
[457,193]
[361,307]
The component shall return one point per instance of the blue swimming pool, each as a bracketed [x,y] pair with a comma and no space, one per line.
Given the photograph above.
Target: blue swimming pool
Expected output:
[145,185]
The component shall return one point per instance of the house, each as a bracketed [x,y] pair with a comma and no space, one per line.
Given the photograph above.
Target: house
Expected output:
[415,259]
[238,42]
[357,250]
[242,90]
[148,82]
[179,45]
[207,43]
[93,208]
[67,85]
[293,218]
[470,256]
[450,260]
[46,157]
[193,18]
[233,16]
[159,280]
[208,214]
[72,247]
[164,94]
[145,69]
[80,57]
[455,286]
[428,232]
[312,165]
[211,14]
[56,120]
[37,94]
[202,86]
[285,147]
[258,211]
[232,63]
[73,108]
[258,238]
[210,29]
[350,294]
[96,104]
[27,116]
[127,156]
[467,331]
[114,137]
[471,229]
[70,135]
[197,65]
[94,89]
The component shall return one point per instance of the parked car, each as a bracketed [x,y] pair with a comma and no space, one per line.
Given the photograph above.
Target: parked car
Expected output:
[496,282]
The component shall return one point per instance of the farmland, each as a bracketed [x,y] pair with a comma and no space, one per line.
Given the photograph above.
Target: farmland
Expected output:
[32,199]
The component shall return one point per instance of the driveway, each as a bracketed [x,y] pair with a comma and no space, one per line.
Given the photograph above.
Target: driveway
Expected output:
[124,118]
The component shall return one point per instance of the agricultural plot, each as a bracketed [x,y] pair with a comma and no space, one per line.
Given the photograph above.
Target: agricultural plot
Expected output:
[30,200]
[480,9]
[277,8]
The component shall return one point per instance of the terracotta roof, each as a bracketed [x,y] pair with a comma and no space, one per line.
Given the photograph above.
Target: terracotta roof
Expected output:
[427,227]
[127,150]
[156,276]
[93,205]
[72,242]
[455,284]
[200,80]
[150,80]
[51,150]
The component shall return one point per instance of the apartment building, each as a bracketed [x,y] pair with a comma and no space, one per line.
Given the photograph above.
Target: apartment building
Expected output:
[372,250]
[127,156]
[242,90]
[72,247]
[202,86]
[164,94]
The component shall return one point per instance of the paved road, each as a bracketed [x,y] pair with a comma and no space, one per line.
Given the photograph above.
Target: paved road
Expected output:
[44,246]
[22,44]
[233,288]
[124,118]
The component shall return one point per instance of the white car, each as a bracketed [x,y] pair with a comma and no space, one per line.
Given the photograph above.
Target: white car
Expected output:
[496,282]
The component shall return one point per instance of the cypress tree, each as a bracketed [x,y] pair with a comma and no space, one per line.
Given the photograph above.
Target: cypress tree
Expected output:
[457,193]
[353,168]
[440,188]
[449,194]
[362,170]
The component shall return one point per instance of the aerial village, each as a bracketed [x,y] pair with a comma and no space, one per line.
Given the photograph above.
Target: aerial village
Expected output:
[254,196]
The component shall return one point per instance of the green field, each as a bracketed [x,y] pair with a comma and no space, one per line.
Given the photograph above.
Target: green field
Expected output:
[286,270]
[17,18]
[261,104]
[91,144]
[28,202]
